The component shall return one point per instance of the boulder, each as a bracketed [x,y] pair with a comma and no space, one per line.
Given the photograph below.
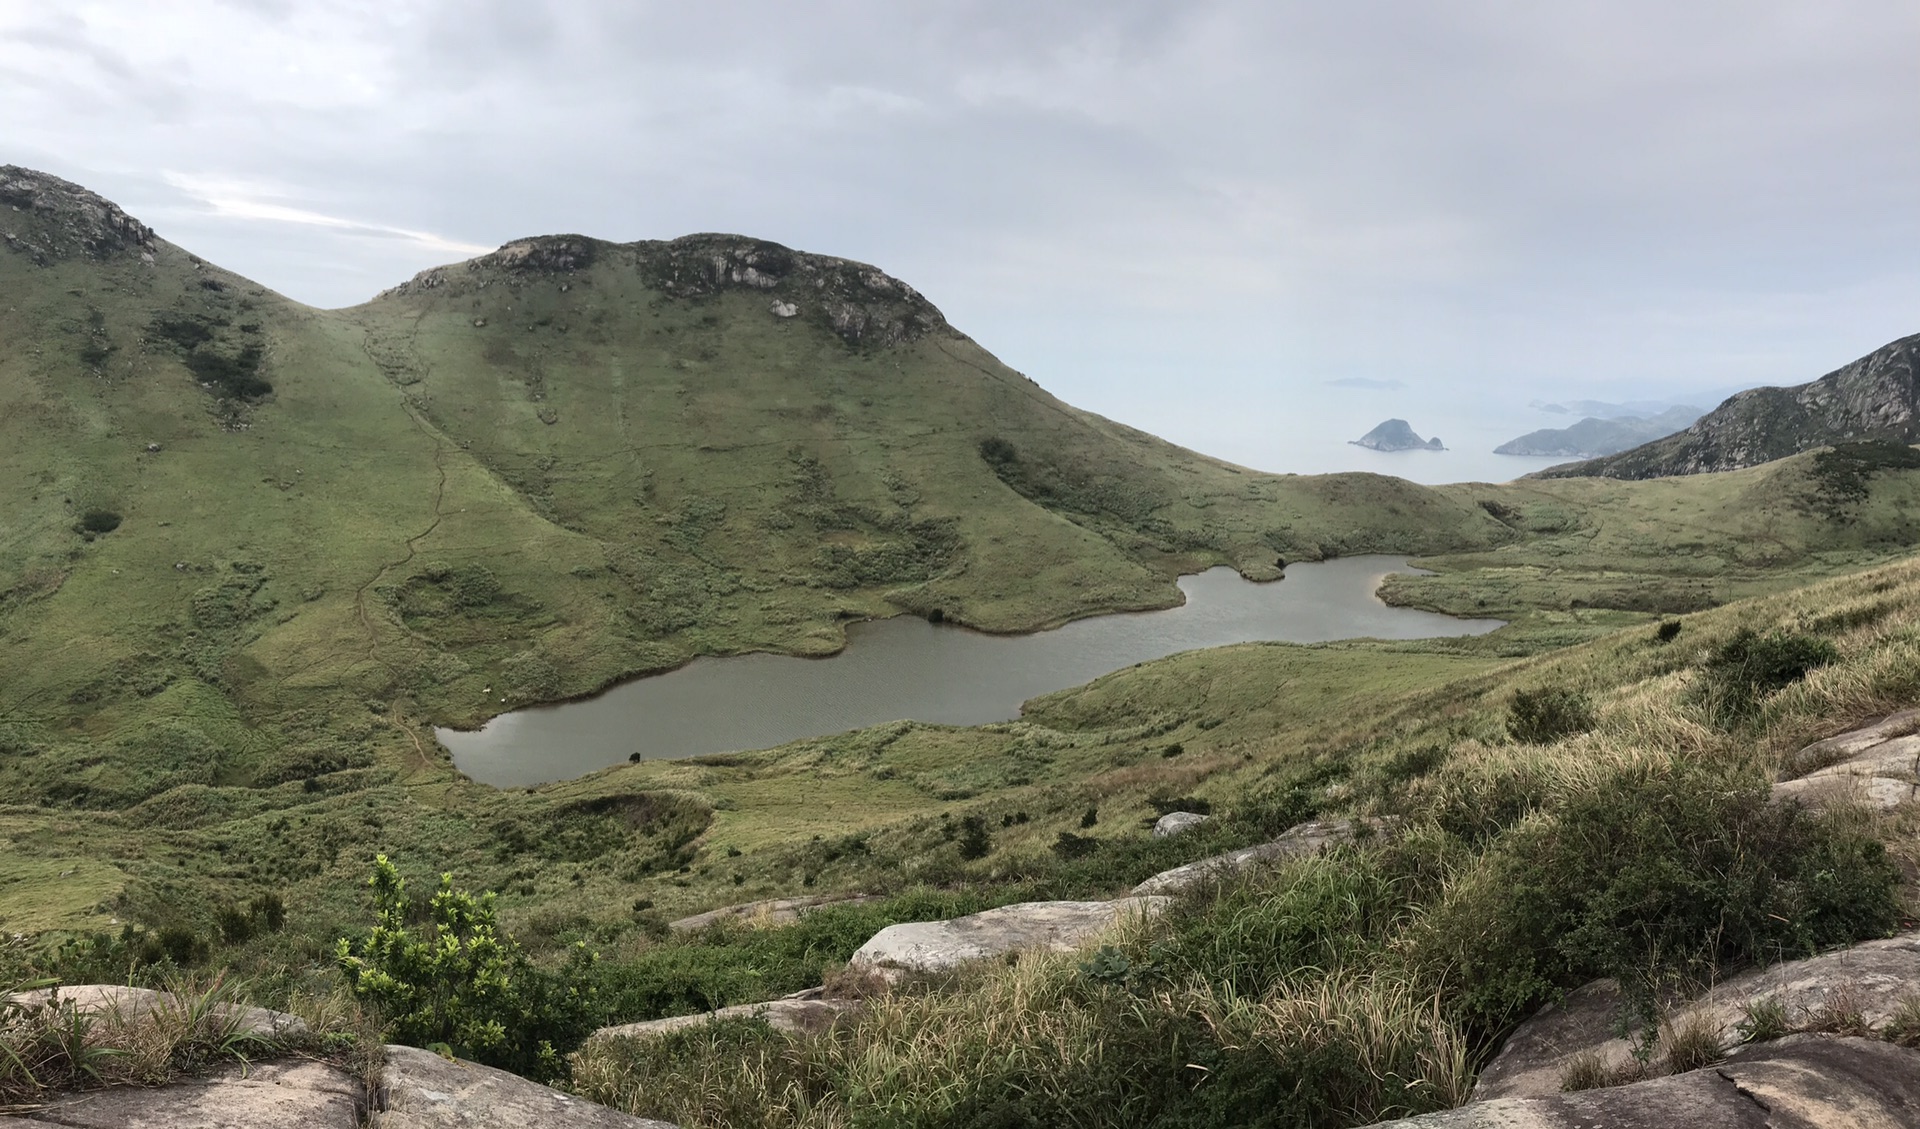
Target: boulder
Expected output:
[292,1094]
[929,946]
[1869,981]
[1305,839]
[425,1091]
[1876,765]
[1174,822]
[1800,1082]
[772,911]
[127,1003]
[805,1012]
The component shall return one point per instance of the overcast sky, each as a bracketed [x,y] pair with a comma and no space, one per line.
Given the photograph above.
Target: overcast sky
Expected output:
[1195,217]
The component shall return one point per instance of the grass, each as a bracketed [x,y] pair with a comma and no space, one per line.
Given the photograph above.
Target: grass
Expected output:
[507,483]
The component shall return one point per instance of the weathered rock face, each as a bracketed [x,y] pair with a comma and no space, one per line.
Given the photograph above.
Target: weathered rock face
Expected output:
[1305,839]
[1174,822]
[771,911]
[1802,1082]
[1875,397]
[929,946]
[133,1003]
[421,1090]
[49,218]
[1866,983]
[802,1013]
[1876,765]
[292,1094]
[860,303]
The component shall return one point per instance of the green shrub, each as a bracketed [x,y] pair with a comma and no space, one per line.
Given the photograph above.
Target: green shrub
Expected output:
[466,984]
[975,842]
[1746,668]
[1540,717]
[1655,876]
[1667,632]
[99,521]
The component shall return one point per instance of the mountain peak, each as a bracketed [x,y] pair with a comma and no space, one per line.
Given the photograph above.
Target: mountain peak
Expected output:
[51,219]
[860,303]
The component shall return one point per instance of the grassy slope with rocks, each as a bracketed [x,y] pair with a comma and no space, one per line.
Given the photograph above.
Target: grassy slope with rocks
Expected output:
[252,549]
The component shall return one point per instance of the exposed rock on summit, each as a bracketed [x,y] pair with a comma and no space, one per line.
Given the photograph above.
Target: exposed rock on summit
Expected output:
[51,219]
[862,304]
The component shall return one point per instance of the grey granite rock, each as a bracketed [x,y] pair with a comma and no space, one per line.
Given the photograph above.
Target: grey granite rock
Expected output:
[132,1003]
[291,1094]
[927,946]
[1802,1082]
[1174,822]
[422,1090]
[771,911]
[1870,980]
[1876,765]
[805,1012]
[1305,839]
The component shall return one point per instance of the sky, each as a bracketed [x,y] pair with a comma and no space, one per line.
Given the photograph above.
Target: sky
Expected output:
[1255,227]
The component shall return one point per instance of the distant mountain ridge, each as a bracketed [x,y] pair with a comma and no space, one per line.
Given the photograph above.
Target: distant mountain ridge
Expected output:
[1875,397]
[1594,437]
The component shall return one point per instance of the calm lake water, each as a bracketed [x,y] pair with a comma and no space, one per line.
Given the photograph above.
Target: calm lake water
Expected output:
[908,668]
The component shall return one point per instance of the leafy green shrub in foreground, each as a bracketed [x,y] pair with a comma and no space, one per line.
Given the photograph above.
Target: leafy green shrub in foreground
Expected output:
[1749,666]
[464,983]
[1542,716]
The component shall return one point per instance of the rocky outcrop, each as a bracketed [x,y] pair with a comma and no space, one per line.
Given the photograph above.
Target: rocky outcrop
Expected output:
[133,1004]
[802,1013]
[1305,839]
[1174,822]
[771,911]
[861,304]
[1877,766]
[422,1090]
[1858,988]
[291,1094]
[1802,1082]
[1874,398]
[1396,435]
[49,218]
[930,946]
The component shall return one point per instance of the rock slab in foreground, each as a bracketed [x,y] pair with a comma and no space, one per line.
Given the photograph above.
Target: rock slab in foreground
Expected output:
[930,946]
[425,1091]
[1876,765]
[802,1013]
[1801,1082]
[135,1003]
[290,1094]
[1869,980]
[1305,839]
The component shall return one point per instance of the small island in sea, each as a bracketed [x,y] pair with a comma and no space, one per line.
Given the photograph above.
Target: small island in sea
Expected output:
[1396,435]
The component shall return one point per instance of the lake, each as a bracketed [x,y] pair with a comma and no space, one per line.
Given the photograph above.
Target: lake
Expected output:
[905,667]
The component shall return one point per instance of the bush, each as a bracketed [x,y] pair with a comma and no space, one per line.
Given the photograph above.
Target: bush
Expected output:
[1750,666]
[1667,632]
[466,984]
[975,843]
[1540,717]
[99,521]
[1655,877]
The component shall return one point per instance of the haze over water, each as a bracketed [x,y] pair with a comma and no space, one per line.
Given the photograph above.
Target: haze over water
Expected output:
[907,668]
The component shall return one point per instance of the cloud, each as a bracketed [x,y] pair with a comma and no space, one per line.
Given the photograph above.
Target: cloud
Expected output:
[230,199]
